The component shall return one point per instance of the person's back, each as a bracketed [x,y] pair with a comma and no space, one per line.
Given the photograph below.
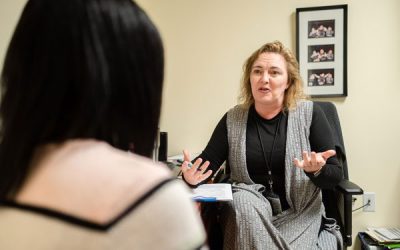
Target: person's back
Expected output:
[85,194]
[81,95]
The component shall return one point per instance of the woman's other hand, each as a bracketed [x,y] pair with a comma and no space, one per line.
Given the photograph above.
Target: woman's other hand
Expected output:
[194,174]
[313,162]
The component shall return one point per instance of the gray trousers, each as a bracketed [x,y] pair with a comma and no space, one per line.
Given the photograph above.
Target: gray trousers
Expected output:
[248,223]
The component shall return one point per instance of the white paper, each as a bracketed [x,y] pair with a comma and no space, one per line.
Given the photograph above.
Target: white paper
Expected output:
[379,237]
[217,191]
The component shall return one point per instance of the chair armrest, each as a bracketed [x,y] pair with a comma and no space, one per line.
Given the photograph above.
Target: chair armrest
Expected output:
[347,187]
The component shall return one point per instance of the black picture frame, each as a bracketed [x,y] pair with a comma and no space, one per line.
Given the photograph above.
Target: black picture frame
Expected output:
[321,49]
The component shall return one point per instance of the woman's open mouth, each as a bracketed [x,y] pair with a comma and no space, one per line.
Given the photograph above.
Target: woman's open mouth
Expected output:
[264,89]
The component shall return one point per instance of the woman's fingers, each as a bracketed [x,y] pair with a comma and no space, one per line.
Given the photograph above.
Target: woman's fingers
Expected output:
[195,166]
[186,155]
[202,168]
[306,158]
[206,175]
[195,173]
[186,161]
[313,157]
[327,154]
[310,161]
[185,167]
[298,163]
[313,161]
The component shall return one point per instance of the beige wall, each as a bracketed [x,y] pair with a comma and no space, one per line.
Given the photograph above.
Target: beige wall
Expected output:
[207,42]
[10,11]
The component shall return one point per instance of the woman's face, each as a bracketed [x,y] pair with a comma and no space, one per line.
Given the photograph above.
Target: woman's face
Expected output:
[269,79]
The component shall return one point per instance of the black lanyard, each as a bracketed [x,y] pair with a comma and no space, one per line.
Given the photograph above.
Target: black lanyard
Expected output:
[268,163]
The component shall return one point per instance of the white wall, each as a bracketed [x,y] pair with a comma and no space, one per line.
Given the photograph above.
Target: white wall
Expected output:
[207,42]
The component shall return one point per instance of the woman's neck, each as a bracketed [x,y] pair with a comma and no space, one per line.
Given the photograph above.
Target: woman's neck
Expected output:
[268,111]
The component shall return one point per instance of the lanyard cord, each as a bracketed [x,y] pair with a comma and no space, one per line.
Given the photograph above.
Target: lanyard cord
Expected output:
[268,163]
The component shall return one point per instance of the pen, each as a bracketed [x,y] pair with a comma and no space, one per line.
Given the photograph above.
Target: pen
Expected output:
[204,199]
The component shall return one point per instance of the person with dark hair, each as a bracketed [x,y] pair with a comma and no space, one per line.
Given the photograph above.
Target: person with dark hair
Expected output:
[330,32]
[329,78]
[81,86]
[330,56]
[280,152]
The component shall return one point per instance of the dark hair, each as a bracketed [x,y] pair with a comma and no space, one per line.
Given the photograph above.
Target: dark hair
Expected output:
[78,69]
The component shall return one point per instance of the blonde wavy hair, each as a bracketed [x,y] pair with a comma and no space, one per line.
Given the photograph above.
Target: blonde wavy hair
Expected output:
[293,93]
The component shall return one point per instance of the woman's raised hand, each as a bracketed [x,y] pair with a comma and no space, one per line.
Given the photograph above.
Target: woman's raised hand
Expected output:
[194,174]
[313,162]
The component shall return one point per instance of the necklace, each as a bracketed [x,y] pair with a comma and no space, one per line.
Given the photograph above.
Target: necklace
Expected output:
[268,162]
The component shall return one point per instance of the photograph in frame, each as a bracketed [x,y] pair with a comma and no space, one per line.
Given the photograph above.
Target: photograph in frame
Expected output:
[321,53]
[321,48]
[321,77]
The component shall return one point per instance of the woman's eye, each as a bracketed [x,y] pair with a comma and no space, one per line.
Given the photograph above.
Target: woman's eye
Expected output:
[275,72]
[257,71]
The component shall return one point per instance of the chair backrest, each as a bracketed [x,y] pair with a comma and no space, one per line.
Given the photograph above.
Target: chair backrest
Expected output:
[331,198]
[333,118]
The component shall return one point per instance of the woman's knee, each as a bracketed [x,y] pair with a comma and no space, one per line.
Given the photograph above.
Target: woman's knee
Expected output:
[250,206]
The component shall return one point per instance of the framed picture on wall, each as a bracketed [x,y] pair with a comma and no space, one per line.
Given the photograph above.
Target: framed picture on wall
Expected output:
[321,45]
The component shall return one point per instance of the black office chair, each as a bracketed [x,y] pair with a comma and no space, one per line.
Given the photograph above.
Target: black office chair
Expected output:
[337,202]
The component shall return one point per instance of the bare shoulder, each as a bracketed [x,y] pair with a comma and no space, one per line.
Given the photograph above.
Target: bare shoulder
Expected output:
[90,179]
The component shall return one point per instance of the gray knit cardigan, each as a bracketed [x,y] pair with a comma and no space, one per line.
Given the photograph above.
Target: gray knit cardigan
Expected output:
[295,228]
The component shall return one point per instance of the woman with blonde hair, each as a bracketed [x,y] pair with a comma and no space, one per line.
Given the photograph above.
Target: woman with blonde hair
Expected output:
[280,153]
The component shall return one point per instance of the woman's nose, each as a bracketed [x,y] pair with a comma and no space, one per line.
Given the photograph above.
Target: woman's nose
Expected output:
[265,77]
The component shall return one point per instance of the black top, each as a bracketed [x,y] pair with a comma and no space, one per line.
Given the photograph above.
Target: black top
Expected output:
[320,138]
